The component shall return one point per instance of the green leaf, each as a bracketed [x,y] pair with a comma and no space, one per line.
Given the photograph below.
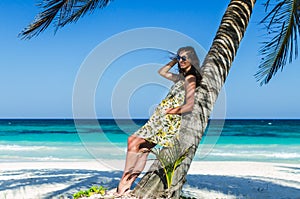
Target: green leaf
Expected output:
[282,23]
[170,158]
[61,12]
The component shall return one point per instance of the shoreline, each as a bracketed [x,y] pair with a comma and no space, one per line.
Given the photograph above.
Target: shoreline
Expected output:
[206,179]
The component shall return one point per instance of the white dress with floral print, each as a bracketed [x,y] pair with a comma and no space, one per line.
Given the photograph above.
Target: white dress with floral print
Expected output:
[161,128]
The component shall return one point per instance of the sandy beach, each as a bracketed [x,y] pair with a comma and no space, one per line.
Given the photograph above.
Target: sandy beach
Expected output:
[206,179]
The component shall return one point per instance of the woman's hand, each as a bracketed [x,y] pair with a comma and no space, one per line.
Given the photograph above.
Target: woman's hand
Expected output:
[176,110]
[167,111]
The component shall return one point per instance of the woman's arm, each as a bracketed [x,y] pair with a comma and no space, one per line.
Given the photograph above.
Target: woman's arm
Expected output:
[164,71]
[190,87]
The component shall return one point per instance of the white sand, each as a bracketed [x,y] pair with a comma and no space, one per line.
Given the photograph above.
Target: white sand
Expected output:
[205,180]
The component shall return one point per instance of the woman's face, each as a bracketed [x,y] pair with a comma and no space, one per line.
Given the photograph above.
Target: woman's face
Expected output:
[183,61]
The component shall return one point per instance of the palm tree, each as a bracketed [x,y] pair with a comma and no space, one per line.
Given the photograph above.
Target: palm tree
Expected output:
[214,70]
[283,24]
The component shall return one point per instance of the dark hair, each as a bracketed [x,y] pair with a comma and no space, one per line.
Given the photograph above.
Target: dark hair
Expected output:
[193,71]
[194,60]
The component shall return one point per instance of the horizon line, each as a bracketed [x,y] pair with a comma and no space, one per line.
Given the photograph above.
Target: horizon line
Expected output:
[133,118]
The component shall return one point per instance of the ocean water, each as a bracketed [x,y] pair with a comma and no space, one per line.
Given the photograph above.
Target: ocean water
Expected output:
[24,140]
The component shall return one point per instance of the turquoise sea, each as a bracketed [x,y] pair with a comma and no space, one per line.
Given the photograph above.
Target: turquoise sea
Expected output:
[66,140]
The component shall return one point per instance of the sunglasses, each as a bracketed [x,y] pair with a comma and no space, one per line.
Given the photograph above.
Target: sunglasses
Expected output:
[183,58]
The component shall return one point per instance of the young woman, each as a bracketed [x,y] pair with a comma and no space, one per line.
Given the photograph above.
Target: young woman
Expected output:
[164,124]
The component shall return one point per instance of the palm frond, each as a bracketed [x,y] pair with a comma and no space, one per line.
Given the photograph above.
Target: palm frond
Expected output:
[61,12]
[170,158]
[267,4]
[283,25]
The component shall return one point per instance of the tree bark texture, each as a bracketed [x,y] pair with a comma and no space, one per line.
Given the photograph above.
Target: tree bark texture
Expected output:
[214,71]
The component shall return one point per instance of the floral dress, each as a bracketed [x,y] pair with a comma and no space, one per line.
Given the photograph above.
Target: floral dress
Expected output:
[161,128]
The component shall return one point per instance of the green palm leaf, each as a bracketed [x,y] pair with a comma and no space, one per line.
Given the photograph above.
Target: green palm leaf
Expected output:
[170,158]
[60,12]
[283,24]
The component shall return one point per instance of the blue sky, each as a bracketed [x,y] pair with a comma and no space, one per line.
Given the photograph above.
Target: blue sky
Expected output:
[38,75]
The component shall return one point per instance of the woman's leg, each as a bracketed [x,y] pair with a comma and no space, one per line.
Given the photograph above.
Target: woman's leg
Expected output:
[136,158]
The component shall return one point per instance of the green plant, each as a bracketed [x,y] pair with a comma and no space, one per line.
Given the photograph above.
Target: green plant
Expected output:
[91,191]
[170,158]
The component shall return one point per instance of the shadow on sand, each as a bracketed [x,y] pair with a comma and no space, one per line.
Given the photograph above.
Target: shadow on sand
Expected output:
[75,180]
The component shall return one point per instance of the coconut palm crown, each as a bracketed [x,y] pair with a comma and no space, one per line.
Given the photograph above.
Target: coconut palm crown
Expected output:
[282,23]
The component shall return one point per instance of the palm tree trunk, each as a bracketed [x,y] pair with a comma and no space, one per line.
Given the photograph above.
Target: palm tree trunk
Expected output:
[214,71]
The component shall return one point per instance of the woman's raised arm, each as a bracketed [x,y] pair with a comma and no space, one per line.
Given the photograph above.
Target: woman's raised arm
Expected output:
[164,71]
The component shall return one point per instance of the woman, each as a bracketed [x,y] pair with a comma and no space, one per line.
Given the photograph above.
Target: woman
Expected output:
[164,124]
